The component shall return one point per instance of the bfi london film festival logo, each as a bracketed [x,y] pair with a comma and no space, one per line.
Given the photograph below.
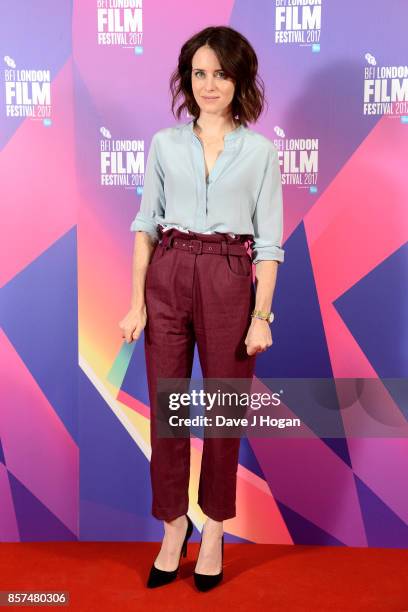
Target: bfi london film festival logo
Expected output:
[28,92]
[122,162]
[119,23]
[299,160]
[385,89]
[298,22]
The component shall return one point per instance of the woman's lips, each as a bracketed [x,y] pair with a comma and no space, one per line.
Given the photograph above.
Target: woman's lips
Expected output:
[205,98]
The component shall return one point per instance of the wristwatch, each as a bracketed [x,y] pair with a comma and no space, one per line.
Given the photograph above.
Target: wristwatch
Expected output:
[265,316]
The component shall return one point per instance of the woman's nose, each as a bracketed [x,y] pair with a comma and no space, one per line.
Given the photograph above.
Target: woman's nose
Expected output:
[209,84]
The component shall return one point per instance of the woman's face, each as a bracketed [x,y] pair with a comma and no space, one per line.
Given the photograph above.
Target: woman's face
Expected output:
[212,91]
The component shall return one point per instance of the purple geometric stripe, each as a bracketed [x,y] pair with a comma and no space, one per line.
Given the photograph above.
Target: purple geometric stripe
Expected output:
[383,527]
[44,326]
[234,539]
[37,35]
[375,311]
[304,531]
[36,523]
[8,521]
[2,459]
[340,447]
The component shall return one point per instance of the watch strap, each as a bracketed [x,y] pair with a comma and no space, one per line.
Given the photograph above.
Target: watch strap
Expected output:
[265,316]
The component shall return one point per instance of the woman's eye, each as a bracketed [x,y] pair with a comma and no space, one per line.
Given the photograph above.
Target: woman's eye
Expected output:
[198,73]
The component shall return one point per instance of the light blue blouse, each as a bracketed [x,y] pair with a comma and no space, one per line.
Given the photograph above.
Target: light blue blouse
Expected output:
[243,193]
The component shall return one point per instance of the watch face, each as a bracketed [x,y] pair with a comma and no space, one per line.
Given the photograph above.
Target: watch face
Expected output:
[271,317]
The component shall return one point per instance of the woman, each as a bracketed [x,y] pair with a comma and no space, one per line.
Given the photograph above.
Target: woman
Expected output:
[212,187]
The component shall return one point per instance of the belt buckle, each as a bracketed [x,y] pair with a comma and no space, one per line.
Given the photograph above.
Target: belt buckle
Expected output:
[199,243]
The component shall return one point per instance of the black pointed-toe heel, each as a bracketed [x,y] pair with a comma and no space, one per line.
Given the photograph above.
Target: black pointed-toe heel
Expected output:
[158,577]
[205,582]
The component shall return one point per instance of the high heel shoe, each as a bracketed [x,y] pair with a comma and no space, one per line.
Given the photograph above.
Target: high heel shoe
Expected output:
[158,577]
[205,582]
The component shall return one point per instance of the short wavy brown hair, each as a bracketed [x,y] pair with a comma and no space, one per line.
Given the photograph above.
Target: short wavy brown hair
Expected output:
[237,59]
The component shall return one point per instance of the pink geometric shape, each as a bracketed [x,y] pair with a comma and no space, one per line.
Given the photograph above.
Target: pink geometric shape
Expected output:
[145,91]
[360,220]
[308,477]
[38,181]
[305,474]
[38,449]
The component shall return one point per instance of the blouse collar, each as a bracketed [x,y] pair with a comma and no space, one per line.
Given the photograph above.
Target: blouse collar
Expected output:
[228,137]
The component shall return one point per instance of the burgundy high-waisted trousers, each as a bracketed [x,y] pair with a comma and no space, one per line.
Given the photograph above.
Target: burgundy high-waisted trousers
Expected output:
[205,298]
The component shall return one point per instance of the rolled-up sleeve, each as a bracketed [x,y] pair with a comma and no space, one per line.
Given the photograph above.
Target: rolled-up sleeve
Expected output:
[152,203]
[267,219]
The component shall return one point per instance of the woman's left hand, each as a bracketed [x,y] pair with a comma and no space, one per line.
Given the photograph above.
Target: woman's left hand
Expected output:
[259,336]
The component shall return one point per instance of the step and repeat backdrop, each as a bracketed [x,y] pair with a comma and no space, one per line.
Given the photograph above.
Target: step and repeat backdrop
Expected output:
[85,85]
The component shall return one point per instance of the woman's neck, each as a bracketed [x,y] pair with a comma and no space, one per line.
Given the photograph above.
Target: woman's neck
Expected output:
[211,130]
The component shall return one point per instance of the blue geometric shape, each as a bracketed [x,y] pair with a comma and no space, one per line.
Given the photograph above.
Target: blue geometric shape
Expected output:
[2,459]
[39,315]
[383,527]
[299,347]
[375,311]
[196,371]
[113,471]
[36,522]
[304,531]
[231,538]
[340,447]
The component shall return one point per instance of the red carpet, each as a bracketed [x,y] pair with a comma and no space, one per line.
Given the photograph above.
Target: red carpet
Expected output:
[111,576]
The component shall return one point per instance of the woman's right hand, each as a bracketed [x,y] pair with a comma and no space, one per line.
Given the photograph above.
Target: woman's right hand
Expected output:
[133,323]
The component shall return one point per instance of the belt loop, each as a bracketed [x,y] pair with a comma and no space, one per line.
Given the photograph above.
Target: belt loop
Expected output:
[224,248]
